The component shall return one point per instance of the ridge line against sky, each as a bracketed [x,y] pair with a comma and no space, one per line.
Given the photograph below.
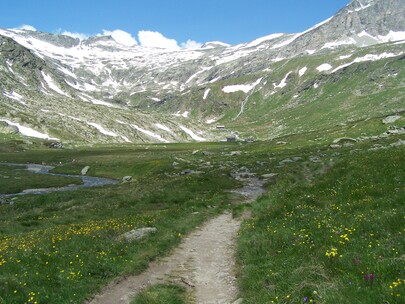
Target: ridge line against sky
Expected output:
[171,23]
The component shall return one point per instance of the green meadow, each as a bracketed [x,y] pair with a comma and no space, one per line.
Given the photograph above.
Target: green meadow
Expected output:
[329,230]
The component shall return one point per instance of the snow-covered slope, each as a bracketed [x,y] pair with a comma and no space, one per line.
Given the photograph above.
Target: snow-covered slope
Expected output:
[89,85]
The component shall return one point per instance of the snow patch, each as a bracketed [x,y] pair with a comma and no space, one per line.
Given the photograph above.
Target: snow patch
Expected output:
[288,41]
[102,130]
[14,95]
[28,131]
[302,71]
[149,133]
[196,74]
[393,36]
[213,44]
[207,91]
[344,57]
[263,39]
[246,88]
[126,139]
[324,67]
[192,134]
[368,57]
[365,34]
[163,127]
[184,114]
[334,44]
[283,82]
[88,98]
[52,85]
[210,121]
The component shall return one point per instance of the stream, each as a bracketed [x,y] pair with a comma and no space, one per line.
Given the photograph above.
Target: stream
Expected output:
[88,181]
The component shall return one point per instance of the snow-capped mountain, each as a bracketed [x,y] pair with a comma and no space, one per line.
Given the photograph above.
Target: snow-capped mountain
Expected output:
[100,90]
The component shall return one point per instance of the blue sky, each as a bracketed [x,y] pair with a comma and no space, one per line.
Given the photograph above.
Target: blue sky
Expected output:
[230,21]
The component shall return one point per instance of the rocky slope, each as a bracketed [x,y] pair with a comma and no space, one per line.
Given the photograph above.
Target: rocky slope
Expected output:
[98,90]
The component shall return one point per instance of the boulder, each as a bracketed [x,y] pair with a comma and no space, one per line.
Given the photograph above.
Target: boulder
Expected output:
[137,234]
[391,119]
[85,170]
[126,179]
[56,145]
[344,139]
[269,175]
[189,171]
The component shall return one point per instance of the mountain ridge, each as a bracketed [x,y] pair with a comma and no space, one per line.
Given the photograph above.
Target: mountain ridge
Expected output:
[182,87]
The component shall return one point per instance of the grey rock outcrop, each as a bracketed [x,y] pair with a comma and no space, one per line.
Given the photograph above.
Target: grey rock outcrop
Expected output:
[56,145]
[85,170]
[137,234]
[391,119]
[126,179]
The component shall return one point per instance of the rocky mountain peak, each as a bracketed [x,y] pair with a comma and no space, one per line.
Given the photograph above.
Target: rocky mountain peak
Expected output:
[98,81]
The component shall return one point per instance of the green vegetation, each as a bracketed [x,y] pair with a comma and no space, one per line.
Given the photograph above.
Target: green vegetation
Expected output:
[14,179]
[62,247]
[161,294]
[330,229]
[336,238]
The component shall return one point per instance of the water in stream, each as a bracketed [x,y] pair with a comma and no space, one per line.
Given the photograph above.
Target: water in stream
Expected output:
[88,181]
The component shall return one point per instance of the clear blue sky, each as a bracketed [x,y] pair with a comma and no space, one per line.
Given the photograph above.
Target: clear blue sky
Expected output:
[230,21]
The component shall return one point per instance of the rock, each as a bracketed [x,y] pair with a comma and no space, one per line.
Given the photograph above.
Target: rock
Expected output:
[126,179]
[243,169]
[344,139]
[137,234]
[315,159]
[234,153]
[285,161]
[391,119]
[56,145]
[269,175]
[348,145]
[281,143]
[238,301]
[85,170]
[195,152]
[398,143]
[393,132]
[335,146]
[175,164]
[7,129]
[189,171]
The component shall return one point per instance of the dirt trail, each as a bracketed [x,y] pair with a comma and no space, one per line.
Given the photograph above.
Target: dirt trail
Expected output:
[204,262]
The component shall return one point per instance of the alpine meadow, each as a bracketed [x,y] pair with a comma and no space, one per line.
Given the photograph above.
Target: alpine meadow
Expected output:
[271,171]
